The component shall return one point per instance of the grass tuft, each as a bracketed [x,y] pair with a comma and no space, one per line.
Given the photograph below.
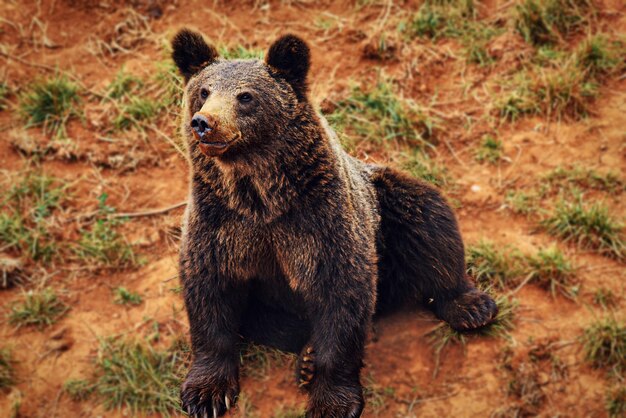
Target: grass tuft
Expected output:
[604,343]
[40,308]
[552,270]
[289,412]
[616,401]
[27,210]
[50,103]
[605,298]
[124,84]
[7,373]
[421,166]
[491,266]
[490,150]
[549,21]
[125,297]
[135,375]
[78,389]
[240,52]
[102,246]
[585,178]
[134,111]
[588,226]
[257,360]
[380,115]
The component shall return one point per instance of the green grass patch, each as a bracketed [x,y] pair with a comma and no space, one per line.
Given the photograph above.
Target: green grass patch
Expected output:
[523,203]
[50,103]
[605,298]
[599,55]
[550,21]
[585,178]
[289,412]
[550,269]
[455,19]
[257,360]
[421,166]
[616,401]
[7,372]
[78,389]
[27,215]
[588,226]
[38,308]
[139,377]
[563,90]
[134,111]
[490,150]
[378,114]
[240,52]
[4,94]
[102,246]
[124,84]
[123,296]
[604,343]
[492,266]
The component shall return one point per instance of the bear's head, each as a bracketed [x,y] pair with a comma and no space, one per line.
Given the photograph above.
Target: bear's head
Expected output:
[239,108]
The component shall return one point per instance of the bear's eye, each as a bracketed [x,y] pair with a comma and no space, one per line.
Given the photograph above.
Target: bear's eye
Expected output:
[204,93]
[245,97]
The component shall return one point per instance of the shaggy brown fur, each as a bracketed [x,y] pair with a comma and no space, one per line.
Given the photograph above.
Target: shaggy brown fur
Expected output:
[290,242]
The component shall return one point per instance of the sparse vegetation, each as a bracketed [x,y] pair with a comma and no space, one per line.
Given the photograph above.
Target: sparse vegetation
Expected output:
[7,373]
[50,103]
[39,308]
[125,297]
[289,412]
[604,342]
[379,115]
[589,226]
[552,270]
[549,21]
[421,166]
[490,150]
[4,92]
[605,298]
[135,111]
[240,52]
[584,178]
[257,360]
[124,84]
[491,266]
[102,245]
[27,215]
[78,389]
[137,376]
[616,401]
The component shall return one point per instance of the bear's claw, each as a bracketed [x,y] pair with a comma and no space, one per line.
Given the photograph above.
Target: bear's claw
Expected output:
[306,367]
[471,310]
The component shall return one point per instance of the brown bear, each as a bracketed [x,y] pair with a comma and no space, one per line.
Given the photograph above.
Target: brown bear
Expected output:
[290,242]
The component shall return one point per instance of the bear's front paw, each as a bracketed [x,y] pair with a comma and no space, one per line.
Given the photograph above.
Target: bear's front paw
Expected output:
[336,402]
[471,310]
[209,391]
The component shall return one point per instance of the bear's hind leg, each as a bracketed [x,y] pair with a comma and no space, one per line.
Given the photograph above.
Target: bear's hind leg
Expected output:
[421,254]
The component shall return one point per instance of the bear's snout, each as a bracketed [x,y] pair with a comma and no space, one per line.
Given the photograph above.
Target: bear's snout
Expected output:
[203,124]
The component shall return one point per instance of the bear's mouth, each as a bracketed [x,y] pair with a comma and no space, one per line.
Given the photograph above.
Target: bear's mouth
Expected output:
[212,147]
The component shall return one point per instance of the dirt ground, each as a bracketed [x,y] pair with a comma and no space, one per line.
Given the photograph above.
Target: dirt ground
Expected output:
[406,375]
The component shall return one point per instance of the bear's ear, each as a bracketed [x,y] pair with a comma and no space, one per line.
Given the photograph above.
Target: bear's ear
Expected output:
[290,56]
[191,53]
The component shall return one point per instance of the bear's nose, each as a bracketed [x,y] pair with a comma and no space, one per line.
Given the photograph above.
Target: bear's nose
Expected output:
[203,124]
